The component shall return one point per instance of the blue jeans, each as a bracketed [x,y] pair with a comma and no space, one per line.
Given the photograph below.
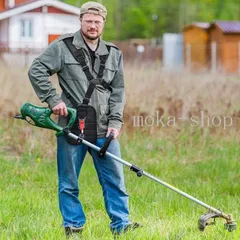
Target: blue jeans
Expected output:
[110,174]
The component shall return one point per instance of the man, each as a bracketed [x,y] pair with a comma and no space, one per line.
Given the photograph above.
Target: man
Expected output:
[108,101]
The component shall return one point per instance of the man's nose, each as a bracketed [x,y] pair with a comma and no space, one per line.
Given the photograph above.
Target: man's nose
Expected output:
[93,24]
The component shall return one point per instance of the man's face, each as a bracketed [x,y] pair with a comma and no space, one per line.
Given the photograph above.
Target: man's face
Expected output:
[92,26]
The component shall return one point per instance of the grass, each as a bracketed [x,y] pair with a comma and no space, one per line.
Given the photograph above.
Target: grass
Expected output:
[204,162]
[203,166]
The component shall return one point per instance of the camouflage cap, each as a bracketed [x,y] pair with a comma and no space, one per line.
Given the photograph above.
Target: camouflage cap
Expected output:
[95,8]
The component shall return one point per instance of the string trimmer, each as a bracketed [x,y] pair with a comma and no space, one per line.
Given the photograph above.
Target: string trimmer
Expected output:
[40,117]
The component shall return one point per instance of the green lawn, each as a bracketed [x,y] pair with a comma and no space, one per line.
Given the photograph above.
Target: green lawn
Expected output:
[204,166]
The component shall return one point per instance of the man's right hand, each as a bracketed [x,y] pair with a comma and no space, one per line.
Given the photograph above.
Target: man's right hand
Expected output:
[60,109]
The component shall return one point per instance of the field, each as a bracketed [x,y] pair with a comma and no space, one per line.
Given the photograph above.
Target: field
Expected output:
[186,132]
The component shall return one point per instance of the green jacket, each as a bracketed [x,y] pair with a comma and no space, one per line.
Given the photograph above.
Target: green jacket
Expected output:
[57,59]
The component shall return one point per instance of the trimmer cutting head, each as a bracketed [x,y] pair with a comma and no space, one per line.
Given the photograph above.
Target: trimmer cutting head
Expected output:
[231,226]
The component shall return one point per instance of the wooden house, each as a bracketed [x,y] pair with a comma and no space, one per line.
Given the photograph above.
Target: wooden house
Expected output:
[196,45]
[224,36]
[214,46]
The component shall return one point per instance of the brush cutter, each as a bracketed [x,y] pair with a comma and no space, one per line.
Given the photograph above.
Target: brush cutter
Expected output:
[40,117]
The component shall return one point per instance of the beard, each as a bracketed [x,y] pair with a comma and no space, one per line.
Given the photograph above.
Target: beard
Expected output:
[89,37]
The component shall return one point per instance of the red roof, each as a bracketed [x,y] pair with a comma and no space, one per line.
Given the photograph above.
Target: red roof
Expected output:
[228,26]
[225,26]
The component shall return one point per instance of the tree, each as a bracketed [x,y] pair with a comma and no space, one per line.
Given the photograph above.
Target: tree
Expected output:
[148,19]
[135,24]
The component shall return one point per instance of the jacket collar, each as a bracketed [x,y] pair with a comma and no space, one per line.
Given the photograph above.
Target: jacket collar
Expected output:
[79,43]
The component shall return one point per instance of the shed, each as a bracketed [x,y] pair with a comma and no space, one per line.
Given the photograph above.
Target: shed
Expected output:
[225,41]
[173,51]
[196,45]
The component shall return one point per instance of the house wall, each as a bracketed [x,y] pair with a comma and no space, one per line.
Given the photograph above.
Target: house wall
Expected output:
[40,9]
[17,2]
[4,33]
[197,39]
[2,5]
[43,25]
[11,3]
[55,10]
[216,35]
[230,52]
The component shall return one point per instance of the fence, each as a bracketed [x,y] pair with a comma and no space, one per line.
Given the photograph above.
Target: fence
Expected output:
[140,49]
[132,51]
[212,57]
[21,56]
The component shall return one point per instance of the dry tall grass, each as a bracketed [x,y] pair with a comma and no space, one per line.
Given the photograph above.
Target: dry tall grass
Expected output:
[180,94]
[149,88]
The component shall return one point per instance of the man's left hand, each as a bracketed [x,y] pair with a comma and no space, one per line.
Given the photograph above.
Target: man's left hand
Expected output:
[114,130]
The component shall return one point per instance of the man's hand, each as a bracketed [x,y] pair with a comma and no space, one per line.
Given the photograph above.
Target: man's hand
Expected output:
[60,109]
[114,130]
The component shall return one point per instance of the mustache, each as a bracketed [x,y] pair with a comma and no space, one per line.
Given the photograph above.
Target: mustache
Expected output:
[85,34]
[92,29]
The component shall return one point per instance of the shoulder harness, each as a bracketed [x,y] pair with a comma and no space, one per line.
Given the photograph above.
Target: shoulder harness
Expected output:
[79,56]
[86,121]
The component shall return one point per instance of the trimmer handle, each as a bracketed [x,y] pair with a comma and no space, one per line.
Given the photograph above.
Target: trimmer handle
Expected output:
[41,117]
[103,150]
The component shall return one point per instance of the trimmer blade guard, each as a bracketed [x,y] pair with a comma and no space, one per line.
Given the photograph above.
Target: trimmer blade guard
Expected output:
[205,220]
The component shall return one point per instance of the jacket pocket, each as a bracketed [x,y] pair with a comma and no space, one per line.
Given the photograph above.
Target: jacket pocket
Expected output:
[104,111]
[72,69]
[69,59]
[109,72]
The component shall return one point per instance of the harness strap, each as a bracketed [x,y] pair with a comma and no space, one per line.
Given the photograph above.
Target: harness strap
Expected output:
[94,82]
[79,56]
[90,90]
[103,59]
[81,59]
[69,96]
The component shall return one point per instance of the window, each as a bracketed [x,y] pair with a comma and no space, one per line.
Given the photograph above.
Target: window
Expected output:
[26,28]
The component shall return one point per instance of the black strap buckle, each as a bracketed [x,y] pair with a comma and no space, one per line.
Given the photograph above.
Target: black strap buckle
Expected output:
[104,58]
[102,65]
[105,84]
[81,58]
[85,68]
[86,101]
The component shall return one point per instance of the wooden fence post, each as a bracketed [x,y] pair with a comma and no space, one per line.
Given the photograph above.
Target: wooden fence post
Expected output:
[239,57]
[188,56]
[214,56]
